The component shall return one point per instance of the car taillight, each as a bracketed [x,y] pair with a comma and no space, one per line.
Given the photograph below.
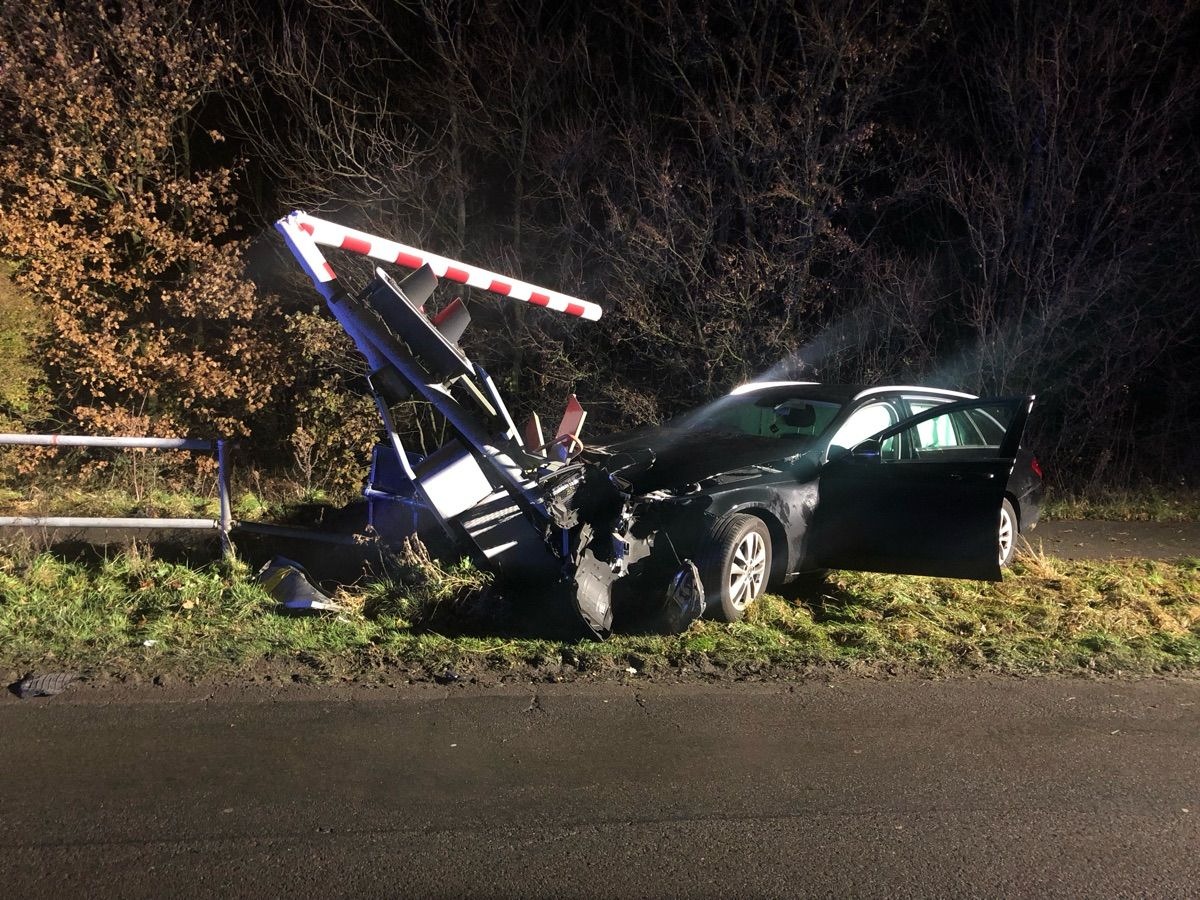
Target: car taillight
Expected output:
[1036,466]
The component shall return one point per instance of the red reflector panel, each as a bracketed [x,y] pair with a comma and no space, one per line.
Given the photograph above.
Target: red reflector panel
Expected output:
[1036,466]
[447,311]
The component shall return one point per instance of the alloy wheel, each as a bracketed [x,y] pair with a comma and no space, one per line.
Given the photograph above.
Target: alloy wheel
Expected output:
[1006,534]
[748,570]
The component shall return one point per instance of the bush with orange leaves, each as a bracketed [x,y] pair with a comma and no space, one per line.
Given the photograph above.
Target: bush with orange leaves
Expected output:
[126,244]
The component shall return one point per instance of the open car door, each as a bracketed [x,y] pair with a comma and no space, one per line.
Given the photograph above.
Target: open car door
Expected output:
[922,497]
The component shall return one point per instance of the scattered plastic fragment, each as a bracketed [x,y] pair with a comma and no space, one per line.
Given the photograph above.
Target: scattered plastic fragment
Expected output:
[43,685]
[288,583]
[685,597]
[150,643]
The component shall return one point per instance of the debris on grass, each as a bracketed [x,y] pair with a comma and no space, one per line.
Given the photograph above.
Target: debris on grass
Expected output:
[292,586]
[135,613]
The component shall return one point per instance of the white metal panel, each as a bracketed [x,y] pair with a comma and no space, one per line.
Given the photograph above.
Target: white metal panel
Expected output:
[452,480]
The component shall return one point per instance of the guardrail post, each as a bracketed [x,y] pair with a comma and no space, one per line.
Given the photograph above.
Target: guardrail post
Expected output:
[226,521]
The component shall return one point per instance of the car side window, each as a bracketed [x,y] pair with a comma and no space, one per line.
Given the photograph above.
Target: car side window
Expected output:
[937,433]
[871,419]
[934,433]
[987,428]
[964,433]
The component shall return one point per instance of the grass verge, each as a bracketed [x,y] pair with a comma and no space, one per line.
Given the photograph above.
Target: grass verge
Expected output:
[1145,504]
[155,489]
[134,613]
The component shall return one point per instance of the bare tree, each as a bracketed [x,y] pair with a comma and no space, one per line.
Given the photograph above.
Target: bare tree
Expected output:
[717,204]
[1072,185]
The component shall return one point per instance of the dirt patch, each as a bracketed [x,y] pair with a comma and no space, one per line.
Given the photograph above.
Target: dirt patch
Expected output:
[288,674]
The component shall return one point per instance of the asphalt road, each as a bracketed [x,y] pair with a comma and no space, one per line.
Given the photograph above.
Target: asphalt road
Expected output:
[851,787]
[1109,540]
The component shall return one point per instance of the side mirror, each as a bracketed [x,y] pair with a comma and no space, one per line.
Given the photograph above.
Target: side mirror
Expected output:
[868,451]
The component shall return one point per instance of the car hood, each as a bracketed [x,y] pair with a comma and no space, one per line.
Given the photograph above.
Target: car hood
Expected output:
[656,458]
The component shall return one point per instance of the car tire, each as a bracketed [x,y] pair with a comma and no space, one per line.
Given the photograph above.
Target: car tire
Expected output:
[1008,533]
[735,565]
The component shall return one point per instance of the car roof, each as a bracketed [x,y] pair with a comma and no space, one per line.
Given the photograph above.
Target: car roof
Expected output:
[903,388]
[845,393]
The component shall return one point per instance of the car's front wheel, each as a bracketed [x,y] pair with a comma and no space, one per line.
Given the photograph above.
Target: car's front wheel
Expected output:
[735,565]
[1008,533]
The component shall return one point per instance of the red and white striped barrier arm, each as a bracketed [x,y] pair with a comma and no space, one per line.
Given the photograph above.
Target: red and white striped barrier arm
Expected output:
[330,234]
[308,254]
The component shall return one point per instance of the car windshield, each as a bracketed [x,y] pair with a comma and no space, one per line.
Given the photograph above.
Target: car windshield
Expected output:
[776,413]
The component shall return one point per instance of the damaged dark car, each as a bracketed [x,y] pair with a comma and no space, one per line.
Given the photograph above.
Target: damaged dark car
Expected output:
[778,479]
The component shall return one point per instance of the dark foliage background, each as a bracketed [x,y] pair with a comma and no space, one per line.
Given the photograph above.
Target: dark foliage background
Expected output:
[999,197]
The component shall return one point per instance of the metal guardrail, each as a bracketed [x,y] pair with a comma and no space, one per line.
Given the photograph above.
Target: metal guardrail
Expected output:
[223,524]
[83,440]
